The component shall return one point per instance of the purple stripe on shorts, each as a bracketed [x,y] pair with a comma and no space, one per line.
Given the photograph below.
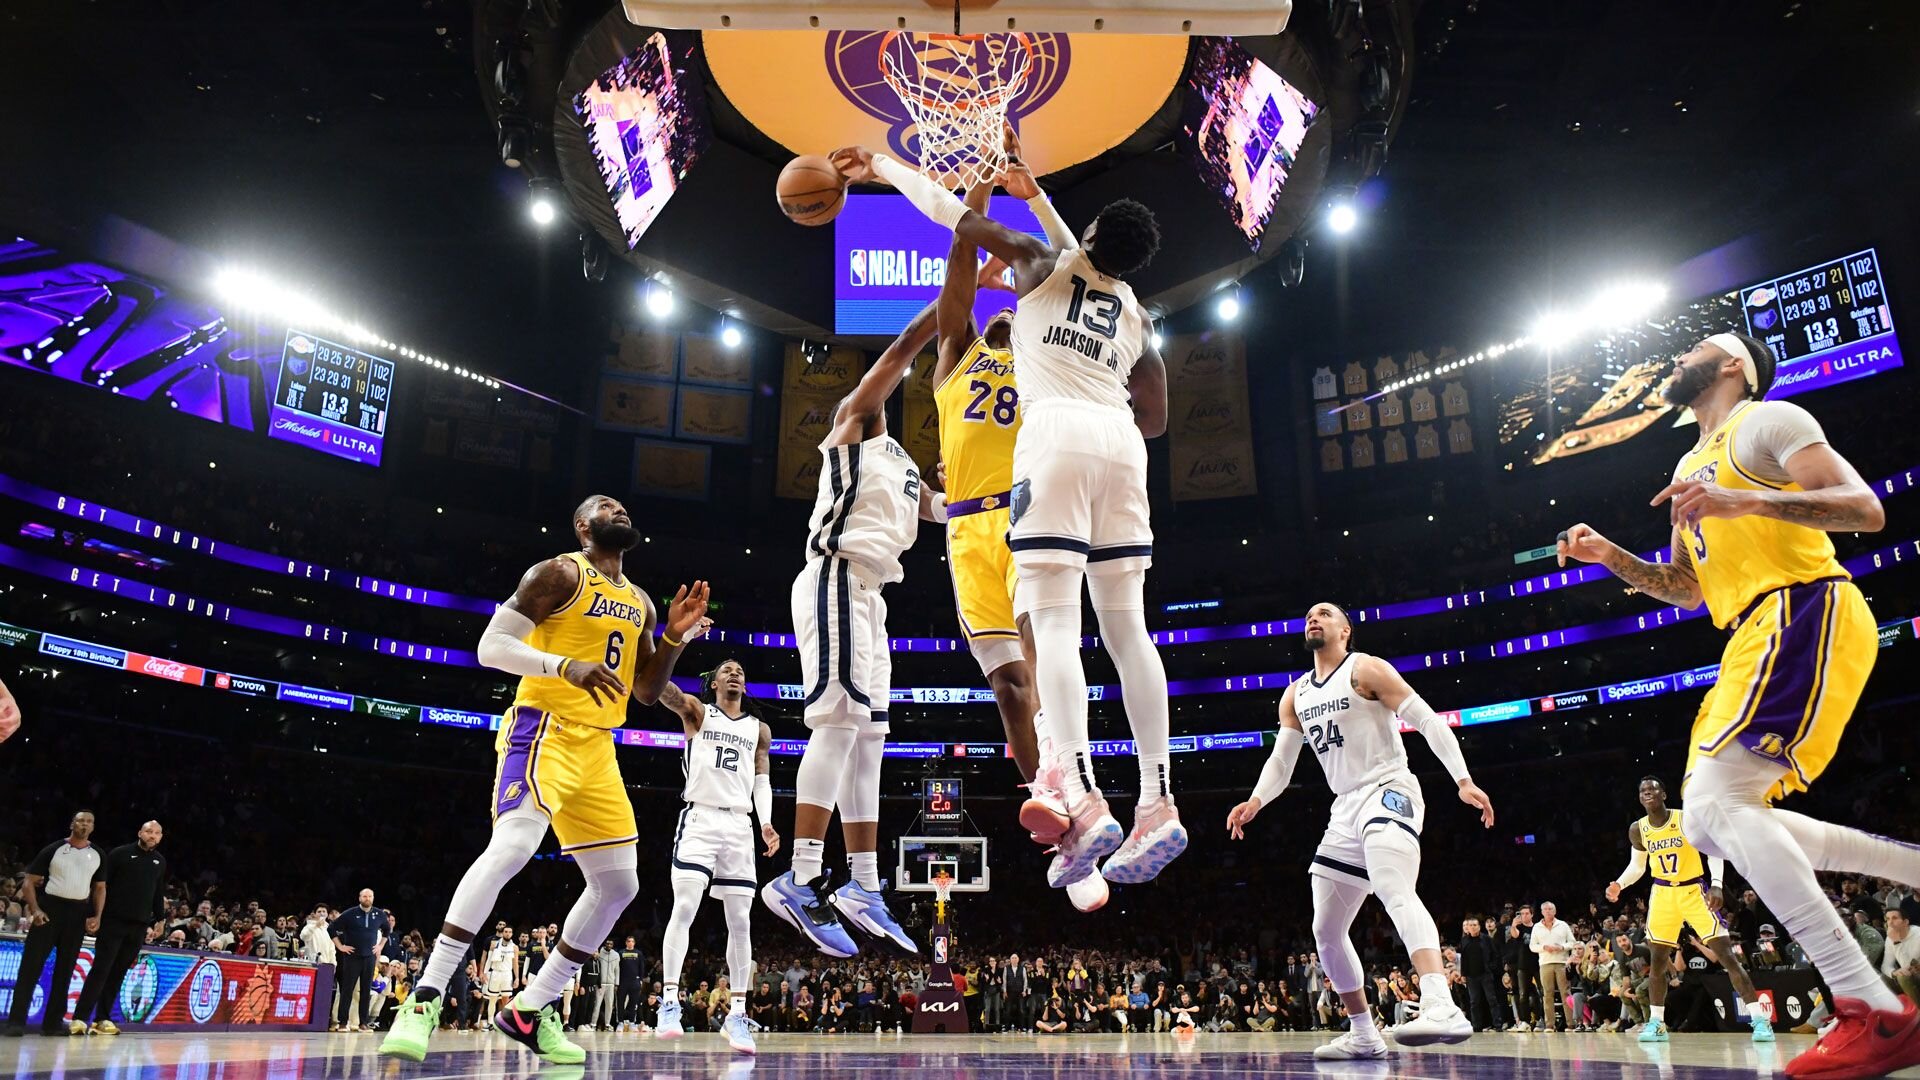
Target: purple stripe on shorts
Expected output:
[1798,670]
[515,782]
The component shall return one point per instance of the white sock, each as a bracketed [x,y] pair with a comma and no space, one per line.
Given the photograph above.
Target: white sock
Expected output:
[1154,783]
[442,962]
[807,856]
[1363,1026]
[1062,682]
[1076,770]
[1117,601]
[1433,990]
[548,984]
[739,1007]
[1739,1007]
[670,993]
[1656,1014]
[866,869]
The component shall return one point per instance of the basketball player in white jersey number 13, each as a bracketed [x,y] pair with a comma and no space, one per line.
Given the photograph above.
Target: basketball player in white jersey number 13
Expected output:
[1092,388]
[726,763]
[865,517]
[1348,708]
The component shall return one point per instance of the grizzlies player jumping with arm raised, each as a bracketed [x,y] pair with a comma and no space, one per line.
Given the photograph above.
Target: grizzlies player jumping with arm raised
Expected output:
[1751,506]
[1091,386]
[1349,709]
[713,838]
[578,633]
[865,517]
[1686,893]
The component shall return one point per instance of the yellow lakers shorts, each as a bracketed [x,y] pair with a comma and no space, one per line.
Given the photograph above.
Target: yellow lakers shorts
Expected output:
[983,573]
[1679,905]
[569,773]
[1789,680]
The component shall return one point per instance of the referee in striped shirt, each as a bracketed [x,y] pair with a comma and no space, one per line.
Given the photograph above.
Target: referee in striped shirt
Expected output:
[63,905]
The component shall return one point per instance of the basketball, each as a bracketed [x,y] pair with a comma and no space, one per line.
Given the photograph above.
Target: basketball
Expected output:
[810,190]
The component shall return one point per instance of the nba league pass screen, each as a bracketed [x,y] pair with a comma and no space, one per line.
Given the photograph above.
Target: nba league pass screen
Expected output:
[890,260]
[646,121]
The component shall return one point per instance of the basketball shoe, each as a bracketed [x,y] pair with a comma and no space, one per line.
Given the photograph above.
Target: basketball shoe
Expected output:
[808,909]
[868,911]
[539,1032]
[1090,893]
[669,1025]
[1442,1023]
[739,1032]
[1156,840]
[1092,835]
[1654,1031]
[1862,1042]
[1762,1029]
[1044,814]
[412,1026]
[1352,1047]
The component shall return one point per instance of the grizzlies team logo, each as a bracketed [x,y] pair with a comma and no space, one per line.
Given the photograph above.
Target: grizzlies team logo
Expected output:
[1022,496]
[1397,803]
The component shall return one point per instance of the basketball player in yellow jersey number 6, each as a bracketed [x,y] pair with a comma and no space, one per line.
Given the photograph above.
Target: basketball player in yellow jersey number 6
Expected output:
[579,634]
[1751,506]
[1686,893]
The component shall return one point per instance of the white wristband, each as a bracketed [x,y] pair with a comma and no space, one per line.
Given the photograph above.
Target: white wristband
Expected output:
[937,507]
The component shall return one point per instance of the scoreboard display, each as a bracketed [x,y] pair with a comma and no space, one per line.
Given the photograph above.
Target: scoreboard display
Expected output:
[333,398]
[1826,324]
[941,810]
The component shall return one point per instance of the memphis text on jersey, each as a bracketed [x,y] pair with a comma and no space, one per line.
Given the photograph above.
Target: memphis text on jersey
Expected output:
[1313,712]
[1081,342]
[728,738]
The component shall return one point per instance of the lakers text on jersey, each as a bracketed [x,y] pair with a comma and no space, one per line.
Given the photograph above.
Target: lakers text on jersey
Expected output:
[1680,885]
[1357,741]
[979,409]
[603,621]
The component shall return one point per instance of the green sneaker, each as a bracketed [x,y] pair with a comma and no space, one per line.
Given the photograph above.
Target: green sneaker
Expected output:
[539,1032]
[412,1026]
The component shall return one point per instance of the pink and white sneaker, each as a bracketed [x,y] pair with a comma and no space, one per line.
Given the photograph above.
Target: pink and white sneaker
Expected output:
[1157,839]
[1092,834]
[1044,814]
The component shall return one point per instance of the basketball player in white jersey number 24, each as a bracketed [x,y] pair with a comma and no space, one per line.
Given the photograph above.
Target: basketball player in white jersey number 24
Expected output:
[1092,387]
[1348,709]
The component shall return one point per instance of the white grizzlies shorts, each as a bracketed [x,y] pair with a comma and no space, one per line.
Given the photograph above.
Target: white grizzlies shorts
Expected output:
[1079,488]
[499,981]
[1392,803]
[840,625]
[717,845]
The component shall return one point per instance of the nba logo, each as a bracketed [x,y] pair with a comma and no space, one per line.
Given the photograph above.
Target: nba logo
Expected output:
[940,949]
[857,266]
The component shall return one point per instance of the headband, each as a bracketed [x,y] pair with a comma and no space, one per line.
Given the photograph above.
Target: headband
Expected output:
[1737,349]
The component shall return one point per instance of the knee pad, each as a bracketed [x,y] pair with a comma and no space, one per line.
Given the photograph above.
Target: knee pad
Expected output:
[1045,586]
[1117,588]
[739,911]
[822,767]
[860,784]
[1334,905]
[1393,864]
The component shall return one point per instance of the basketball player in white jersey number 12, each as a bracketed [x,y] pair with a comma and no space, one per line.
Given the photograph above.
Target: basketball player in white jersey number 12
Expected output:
[726,764]
[1345,708]
[1091,386]
[865,517]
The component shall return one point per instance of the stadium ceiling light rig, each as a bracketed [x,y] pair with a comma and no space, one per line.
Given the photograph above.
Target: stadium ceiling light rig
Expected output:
[658,299]
[248,291]
[543,200]
[1228,306]
[1614,307]
[729,334]
[1342,217]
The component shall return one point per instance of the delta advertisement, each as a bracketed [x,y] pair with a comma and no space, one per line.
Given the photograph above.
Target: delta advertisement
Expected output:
[177,989]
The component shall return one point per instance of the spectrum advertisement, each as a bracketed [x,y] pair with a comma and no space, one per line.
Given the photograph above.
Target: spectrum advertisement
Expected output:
[175,988]
[889,261]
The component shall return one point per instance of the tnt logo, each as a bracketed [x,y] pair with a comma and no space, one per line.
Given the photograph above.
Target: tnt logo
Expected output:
[1771,745]
[857,267]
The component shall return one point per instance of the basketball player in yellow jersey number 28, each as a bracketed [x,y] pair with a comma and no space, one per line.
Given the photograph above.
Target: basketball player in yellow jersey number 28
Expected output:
[578,634]
[1751,506]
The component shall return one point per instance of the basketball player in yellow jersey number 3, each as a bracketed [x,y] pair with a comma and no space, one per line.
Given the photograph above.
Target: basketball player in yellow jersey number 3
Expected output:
[1751,506]
[578,634]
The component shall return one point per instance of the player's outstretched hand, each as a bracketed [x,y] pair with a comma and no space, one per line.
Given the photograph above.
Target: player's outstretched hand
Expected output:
[9,713]
[688,608]
[1613,892]
[1582,542]
[855,163]
[993,275]
[596,679]
[1240,815]
[699,629]
[1471,794]
[771,837]
[1716,899]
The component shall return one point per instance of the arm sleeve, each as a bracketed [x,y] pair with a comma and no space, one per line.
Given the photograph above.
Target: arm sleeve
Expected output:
[503,646]
[1278,771]
[930,198]
[1439,736]
[1058,234]
[1716,871]
[763,798]
[1766,441]
[1636,867]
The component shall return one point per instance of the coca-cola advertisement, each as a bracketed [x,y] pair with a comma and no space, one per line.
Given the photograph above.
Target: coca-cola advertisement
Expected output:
[162,668]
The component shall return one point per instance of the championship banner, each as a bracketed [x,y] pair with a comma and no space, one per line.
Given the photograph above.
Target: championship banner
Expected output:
[640,406]
[647,354]
[671,470]
[809,391]
[920,421]
[705,361]
[1208,417]
[181,990]
[722,416]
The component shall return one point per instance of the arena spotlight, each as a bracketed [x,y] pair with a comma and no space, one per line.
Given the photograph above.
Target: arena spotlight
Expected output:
[514,140]
[1342,217]
[729,334]
[1613,307]
[1157,338]
[1228,306]
[543,200]
[658,300]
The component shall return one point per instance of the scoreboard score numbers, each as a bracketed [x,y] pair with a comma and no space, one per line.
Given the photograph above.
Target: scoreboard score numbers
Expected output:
[333,398]
[940,806]
[1825,324]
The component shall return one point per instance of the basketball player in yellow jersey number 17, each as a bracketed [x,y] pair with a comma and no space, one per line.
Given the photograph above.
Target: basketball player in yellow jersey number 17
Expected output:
[1751,506]
[1686,893]
[578,633]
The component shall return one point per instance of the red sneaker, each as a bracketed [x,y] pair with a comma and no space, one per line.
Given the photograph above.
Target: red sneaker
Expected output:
[1862,1042]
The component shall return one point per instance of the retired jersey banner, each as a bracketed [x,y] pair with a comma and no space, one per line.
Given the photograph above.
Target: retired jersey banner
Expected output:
[714,415]
[808,393]
[646,353]
[641,406]
[919,420]
[706,361]
[1209,422]
[671,470]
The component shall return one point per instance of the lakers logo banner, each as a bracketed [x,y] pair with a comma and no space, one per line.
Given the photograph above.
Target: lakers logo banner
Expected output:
[706,362]
[1208,421]
[710,415]
[809,390]
[671,470]
[644,353]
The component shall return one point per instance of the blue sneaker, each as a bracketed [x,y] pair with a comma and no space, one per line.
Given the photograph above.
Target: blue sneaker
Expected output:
[868,911]
[805,908]
[1654,1031]
[1762,1029]
[669,1025]
[739,1032]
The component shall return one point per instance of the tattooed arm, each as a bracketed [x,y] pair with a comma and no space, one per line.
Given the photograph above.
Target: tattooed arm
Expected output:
[1835,498]
[1670,583]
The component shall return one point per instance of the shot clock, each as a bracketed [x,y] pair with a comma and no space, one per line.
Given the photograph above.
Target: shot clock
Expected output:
[940,806]
[332,397]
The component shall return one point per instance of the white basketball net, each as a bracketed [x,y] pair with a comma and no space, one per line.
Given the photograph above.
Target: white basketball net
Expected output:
[957,87]
[943,887]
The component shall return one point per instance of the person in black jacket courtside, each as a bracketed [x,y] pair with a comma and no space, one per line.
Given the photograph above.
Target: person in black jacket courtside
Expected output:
[135,876]
[1480,965]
